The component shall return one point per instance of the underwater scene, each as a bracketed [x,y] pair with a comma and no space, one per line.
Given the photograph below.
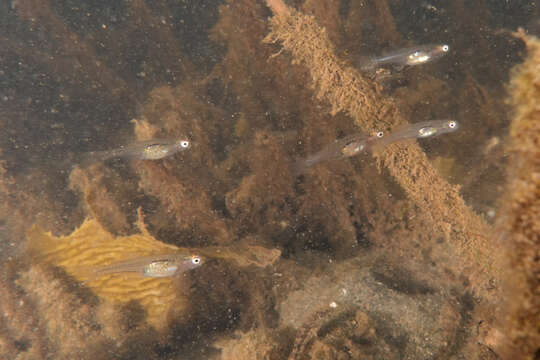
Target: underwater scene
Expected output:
[269,179]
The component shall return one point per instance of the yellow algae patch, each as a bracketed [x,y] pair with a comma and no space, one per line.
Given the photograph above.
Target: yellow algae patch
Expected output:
[91,245]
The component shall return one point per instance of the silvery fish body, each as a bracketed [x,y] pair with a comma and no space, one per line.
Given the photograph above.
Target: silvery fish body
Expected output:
[152,266]
[419,130]
[411,56]
[346,147]
[146,150]
[355,144]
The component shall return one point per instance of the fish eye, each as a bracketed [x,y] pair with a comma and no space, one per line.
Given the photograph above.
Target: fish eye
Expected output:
[380,134]
[445,48]
[452,124]
[184,144]
[195,260]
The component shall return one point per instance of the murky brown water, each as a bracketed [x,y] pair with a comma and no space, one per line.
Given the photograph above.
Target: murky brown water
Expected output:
[362,257]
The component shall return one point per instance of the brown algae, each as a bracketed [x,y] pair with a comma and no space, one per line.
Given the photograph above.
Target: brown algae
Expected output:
[517,333]
[367,257]
[345,89]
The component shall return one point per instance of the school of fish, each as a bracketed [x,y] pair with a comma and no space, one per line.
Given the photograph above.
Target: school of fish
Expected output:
[168,265]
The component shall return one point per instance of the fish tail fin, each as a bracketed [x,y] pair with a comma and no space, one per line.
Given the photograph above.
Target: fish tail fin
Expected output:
[365,63]
[299,166]
[92,157]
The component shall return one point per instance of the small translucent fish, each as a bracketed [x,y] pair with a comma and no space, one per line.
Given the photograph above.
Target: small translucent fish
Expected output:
[157,266]
[355,144]
[146,150]
[416,55]
[416,131]
[346,147]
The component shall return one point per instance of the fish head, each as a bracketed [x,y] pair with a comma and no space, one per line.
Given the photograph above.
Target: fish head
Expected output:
[451,124]
[192,262]
[439,50]
[183,144]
